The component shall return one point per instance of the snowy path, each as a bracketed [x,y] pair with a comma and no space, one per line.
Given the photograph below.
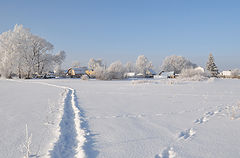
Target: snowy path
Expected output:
[72,133]
[71,139]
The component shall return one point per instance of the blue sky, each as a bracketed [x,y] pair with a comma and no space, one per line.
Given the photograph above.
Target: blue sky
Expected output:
[123,29]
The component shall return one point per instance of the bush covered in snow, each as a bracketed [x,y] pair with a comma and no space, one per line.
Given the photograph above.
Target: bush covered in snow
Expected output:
[193,74]
[235,73]
[85,77]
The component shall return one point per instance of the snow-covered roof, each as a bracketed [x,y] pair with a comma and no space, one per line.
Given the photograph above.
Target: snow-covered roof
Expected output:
[170,73]
[130,74]
[152,72]
[80,70]
[139,74]
[65,71]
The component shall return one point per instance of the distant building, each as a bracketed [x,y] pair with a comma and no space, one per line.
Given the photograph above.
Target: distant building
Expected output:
[130,75]
[150,73]
[226,73]
[90,72]
[164,74]
[76,72]
[140,75]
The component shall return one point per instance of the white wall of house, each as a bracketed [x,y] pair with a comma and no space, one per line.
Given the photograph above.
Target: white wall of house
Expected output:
[226,73]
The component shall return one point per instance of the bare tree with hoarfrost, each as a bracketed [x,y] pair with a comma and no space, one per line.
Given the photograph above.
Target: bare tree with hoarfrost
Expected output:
[235,73]
[59,59]
[39,55]
[116,70]
[130,67]
[25,54]
[177,64]
[101,73]
[76,64]
[6,54]
[143,64]
[13,44]
[94,63]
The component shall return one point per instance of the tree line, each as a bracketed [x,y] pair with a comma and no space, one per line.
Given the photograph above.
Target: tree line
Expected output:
[25,55]
[178,64]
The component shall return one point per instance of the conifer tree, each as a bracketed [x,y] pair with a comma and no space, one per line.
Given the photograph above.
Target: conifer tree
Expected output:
[211,66]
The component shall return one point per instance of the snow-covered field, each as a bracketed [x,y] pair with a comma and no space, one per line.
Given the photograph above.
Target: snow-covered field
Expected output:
[121,119]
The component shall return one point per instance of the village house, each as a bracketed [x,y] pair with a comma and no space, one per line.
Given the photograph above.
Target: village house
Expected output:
[226,73]
[76,72]
[165,75]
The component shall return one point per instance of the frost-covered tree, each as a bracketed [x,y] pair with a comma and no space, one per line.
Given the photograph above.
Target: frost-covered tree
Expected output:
[130,67]
[101,73]
[13,45]
[116,70]
[7,54]
[24,54]
[143,64]
[177,64]
[93,64]
[59,59]
[235,73]
[40,48]
[211,66]
[76,64]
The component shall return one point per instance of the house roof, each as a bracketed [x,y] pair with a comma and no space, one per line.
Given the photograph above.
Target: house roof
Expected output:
[80,70]
[152,72]
[171,73]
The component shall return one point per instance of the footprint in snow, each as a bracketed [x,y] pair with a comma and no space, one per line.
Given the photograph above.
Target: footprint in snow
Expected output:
[201,120]
[167,153]
[206,117]
[186,134]
[210,113]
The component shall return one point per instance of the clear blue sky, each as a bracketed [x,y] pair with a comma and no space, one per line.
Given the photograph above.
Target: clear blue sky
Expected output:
[123,29]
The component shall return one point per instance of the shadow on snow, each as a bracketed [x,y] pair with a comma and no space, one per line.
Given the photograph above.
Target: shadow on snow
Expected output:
[66,144]
[89,144]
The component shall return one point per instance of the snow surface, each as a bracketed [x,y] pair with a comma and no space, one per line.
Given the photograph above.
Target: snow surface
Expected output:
[33,104]
[116,119]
